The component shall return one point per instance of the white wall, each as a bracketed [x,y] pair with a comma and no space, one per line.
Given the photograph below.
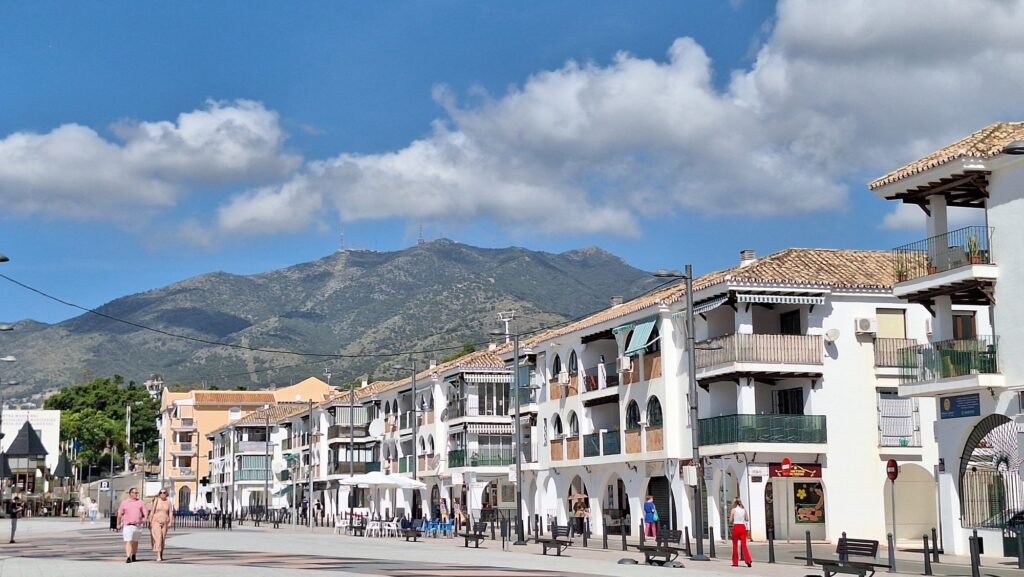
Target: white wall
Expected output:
[45,422]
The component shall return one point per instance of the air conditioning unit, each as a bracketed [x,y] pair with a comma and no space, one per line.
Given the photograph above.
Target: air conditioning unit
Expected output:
[865,325]
[563,378]
[625,364]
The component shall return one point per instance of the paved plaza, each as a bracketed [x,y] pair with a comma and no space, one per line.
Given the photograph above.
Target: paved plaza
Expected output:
[60,547]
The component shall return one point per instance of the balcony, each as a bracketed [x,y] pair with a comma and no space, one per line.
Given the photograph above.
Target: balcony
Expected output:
[341,432]
[188,424]
[958,263]
[601,444]
[456,458]
[950,367]
[358,468]
[405,421]
[591,382]
[779,356]
[254,447]
[887,352]
[183,472]
[572,448]
[183,448]
[633,441]
[405,464]
[655,439]
[899,422]
[557,450]
[527,397]
[754,429]
[286,444]
[251,475]
[462,410]
[651,369]
[492,458]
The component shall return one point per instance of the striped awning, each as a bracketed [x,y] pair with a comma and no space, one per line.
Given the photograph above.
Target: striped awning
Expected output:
[781,299]
[489,429]
[641,336]
[488,378]
[701,308]
[623,329]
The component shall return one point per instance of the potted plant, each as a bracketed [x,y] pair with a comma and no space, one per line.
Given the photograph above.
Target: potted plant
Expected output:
[901,270]
[973,250]
[932,269]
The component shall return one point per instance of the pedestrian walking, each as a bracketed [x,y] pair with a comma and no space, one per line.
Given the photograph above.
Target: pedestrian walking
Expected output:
[81,513]
[17,510]
[160,520]
[650,518]
[130,517]
[738,522]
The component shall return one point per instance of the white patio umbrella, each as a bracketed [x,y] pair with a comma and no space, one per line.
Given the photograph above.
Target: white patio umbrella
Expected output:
[378,480]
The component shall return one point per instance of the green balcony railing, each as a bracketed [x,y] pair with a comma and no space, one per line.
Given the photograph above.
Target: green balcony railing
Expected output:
[612,442]
[406,464]
[457,458]
[358,468]
[949,359]
[492,459]
[762,429]
[592,445]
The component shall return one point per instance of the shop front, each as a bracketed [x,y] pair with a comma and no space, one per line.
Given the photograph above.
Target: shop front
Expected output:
[794,501]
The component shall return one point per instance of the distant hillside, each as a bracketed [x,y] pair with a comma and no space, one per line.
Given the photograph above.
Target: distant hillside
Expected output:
[434,295]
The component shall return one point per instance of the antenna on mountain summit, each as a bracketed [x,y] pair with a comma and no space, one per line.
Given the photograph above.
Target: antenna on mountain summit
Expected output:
[341,240]
[420,240]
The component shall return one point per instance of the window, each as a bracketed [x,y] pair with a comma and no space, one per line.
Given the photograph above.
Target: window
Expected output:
[789,401]
[892,323]
[655,342]
[574,425]
[556,426]
[556,366]
[964,327]
[632,416]
[654,412]
[430,445]
[574,364]
[789,323]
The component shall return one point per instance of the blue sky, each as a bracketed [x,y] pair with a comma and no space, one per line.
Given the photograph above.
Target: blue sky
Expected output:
[142,143]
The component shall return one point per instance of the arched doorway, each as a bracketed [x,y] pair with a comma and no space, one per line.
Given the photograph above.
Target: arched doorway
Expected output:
[417,504]
[184,498]
[435,502]
[578,500]
[661,490]
[616,508]
[991,492]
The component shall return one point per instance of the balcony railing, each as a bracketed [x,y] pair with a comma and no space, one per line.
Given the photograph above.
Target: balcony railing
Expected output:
[968,245]
[405,421]
[655,439]
[949,359]
[762,429]
[557,450]
[767,349]
[358,468]
[185,424]
[251,475]
[340,431]
[457,458]
[601,443]
[405,464]
[612,443]
[184,448]
[592,383]
[182,472]
[254,447]
[887,351]
[286,444]
[472,409]
[492,458]
[592,445]
[527,396]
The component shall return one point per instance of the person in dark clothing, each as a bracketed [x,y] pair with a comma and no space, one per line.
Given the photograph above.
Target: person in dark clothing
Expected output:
[17,510]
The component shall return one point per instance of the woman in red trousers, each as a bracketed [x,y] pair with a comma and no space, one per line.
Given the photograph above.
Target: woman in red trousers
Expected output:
[738,522]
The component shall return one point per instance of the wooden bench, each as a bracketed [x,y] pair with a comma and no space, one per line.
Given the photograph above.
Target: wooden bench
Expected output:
[850,548]
[414,532]
[665,550]
[477,535]
[559,539]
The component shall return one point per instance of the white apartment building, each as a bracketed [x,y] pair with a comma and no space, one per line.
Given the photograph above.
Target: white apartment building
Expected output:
[972,366]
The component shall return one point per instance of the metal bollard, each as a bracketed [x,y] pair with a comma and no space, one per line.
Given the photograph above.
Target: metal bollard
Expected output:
[586,532]
[604,538]
[1020,549]
[973,541]
[810,552]
[844,555]
[927,558]
[711,541]
[493,536]
[892,552]
[642,532]
[771,546]
[622,530]
[935,546]
[686,531]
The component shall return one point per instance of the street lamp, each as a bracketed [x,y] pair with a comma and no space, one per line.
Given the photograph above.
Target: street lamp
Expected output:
[691,370]
[520,536]
[411,367]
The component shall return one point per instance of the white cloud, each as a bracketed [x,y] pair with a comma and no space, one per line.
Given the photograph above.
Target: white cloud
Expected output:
[74,172]
[911,218]
[837,89]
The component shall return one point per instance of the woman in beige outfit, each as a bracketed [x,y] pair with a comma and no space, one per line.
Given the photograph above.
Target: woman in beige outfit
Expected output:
[160,520]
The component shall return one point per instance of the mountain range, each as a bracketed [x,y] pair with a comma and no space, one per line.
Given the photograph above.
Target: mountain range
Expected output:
[432,297]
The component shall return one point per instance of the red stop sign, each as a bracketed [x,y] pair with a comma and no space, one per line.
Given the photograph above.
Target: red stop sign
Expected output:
[892,469]
[785,466]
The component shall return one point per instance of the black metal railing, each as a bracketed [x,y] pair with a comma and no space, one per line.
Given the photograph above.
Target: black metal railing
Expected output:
[762,429]
[957,248]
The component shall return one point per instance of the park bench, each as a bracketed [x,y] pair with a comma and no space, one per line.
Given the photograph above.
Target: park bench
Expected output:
[559,539]
[844,550]
[476,535]
[415,531]
[665,550]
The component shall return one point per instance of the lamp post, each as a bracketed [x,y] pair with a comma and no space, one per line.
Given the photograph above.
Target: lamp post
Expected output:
[691,370]
[411,367]
[266,462]
[520,536]
[309,499]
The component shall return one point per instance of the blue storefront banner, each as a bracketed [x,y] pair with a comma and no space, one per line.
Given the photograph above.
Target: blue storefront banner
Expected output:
[960,406]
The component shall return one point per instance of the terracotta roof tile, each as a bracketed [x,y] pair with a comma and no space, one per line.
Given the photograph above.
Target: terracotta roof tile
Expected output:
[233,397]
[479,360]
[277,413]
[983,144]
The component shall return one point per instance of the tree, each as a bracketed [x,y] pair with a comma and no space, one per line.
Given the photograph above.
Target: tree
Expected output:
[94,413]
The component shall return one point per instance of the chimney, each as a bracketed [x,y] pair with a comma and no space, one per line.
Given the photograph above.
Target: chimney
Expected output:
[365,382]
[493,346]
[433,364]
[616,301]
[747,256]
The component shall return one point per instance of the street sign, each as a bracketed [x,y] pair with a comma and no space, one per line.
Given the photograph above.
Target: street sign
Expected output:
[104,485]
[785,467]
[892,469]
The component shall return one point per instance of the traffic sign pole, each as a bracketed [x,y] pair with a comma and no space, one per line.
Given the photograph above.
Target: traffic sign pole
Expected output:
[892,471]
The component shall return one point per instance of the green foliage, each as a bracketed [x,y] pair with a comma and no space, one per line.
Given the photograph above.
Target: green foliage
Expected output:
[466,349]
[94,413]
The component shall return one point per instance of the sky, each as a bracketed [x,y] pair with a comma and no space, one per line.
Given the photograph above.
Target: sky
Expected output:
[142,143]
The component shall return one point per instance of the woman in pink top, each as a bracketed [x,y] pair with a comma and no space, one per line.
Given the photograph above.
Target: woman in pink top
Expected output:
[130,517]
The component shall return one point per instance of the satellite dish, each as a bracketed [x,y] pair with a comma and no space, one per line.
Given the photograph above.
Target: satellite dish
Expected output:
[376,427]
[832,335]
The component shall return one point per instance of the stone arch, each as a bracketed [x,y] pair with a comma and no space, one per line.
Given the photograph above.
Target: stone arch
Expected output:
[990,482]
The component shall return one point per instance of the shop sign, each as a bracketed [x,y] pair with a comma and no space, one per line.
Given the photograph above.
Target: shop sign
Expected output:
[795,470]
[757,470]
[960,406]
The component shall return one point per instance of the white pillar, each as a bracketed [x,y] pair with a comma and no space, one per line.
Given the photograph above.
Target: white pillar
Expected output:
[942,324]
[937,226]
[744,319]
[745,404]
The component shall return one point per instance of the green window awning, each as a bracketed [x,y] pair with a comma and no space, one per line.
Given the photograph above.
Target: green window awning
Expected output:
[284,492]
[623,329]
[641,336]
